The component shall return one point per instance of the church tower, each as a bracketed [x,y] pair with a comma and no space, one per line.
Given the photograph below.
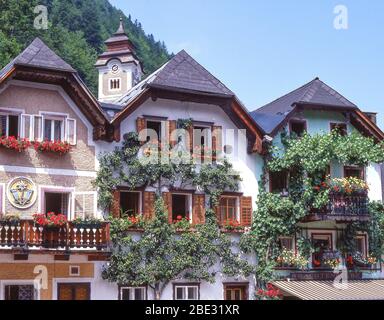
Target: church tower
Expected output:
[119,68]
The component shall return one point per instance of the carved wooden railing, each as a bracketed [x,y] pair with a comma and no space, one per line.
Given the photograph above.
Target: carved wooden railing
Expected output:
[25,234]
[345,205]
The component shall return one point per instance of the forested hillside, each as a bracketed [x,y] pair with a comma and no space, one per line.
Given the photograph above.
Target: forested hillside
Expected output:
[77,31]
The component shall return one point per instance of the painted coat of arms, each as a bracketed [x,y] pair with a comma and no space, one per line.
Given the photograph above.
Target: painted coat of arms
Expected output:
[21,193]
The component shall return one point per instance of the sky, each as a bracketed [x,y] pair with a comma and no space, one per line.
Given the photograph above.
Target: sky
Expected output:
[264,49]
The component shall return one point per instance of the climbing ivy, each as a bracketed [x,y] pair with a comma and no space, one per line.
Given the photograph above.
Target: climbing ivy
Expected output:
[306,159]
[160,253]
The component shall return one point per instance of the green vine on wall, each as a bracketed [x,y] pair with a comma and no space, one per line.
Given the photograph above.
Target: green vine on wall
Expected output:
[306,160]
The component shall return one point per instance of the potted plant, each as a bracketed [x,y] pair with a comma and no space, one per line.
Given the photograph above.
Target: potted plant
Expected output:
[233,225]
[182,223]
[58,147]
[87,223]
[10,220]
[51,224]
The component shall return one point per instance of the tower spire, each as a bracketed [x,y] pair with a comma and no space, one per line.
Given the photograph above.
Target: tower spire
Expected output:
[121,29]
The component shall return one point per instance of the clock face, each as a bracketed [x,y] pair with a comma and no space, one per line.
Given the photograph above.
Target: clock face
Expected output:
[115,68]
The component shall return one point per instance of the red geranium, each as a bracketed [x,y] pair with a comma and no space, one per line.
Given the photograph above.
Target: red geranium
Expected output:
[14,143]
[59,147]
[50,220]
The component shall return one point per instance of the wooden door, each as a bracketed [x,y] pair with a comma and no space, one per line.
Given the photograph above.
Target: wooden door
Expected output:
[74,291]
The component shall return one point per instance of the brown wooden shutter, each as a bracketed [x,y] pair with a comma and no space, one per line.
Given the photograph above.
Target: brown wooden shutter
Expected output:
[172,126]
[198,209]
[115,206]
[167,197]
[149,205]
[246,211]
[217,141]
[141,124]
[190,138]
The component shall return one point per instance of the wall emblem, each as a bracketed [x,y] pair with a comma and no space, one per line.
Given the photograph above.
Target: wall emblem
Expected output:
[22,193]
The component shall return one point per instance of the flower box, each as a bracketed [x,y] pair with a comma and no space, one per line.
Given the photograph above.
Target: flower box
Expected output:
[57,147]
[14,143]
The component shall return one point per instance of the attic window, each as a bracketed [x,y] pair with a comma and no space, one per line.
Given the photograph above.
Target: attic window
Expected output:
[114,84]
[298,127]
[341,128]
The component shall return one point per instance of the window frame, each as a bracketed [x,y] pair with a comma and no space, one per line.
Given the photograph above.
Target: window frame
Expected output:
[361,169]
[301,121]
[119,79]
[237,207]
[232,286]
[121,288]
[282,192]
[333,125]
[189,204]
[364,238]
[140,198]
[185,287]
[11,282]
[53,189]
[15,113]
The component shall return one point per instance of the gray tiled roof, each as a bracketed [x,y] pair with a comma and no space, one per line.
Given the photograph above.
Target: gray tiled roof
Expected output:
[181,72]
[314,92]
[37,54]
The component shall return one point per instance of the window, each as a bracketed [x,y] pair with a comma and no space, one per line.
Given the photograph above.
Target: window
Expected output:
[321,244]
[236,292]
[74,271]
[201,140]
[53,130]
[186,292]
[114,84]
[298,127]
[228,209]
[180,206]
[278,182]
[155,127]
[133,293]
[341,128]
[361,245]
[56,203]
[356,172]
[20,292]
[130,204]
[286,243]
[74,291]
[9,125]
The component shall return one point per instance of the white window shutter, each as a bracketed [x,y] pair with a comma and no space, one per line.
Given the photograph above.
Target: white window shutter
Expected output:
[70,131]
[84,204]
[38,128]
[26,130]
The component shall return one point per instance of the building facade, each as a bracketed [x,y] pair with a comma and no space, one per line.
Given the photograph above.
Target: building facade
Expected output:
[60,129]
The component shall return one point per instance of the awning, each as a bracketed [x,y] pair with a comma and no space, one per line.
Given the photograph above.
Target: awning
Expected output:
[326,290]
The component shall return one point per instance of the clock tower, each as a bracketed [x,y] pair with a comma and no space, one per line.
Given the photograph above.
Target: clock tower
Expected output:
[119,68]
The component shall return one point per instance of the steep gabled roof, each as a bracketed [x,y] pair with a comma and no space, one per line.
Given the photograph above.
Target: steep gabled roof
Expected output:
[37,54]
[181,72]
[315,92]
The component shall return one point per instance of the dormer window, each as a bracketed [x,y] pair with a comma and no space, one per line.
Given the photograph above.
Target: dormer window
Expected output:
[9,125]
[115,84]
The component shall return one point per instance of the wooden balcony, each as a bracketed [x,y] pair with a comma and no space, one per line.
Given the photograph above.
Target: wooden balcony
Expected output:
[342,208]
[26,236]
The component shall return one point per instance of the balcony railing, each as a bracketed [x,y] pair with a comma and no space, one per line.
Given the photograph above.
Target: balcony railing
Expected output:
[344,207]
[25,234]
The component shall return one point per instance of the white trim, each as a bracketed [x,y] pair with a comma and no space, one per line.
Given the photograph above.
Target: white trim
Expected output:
[74,274]
[190,204]
[67,99]
[185,289]
[16,283]
[2,198]
[132,288]
[48,171]
[56,281]
[74,194]
[31,126]
[55,189]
